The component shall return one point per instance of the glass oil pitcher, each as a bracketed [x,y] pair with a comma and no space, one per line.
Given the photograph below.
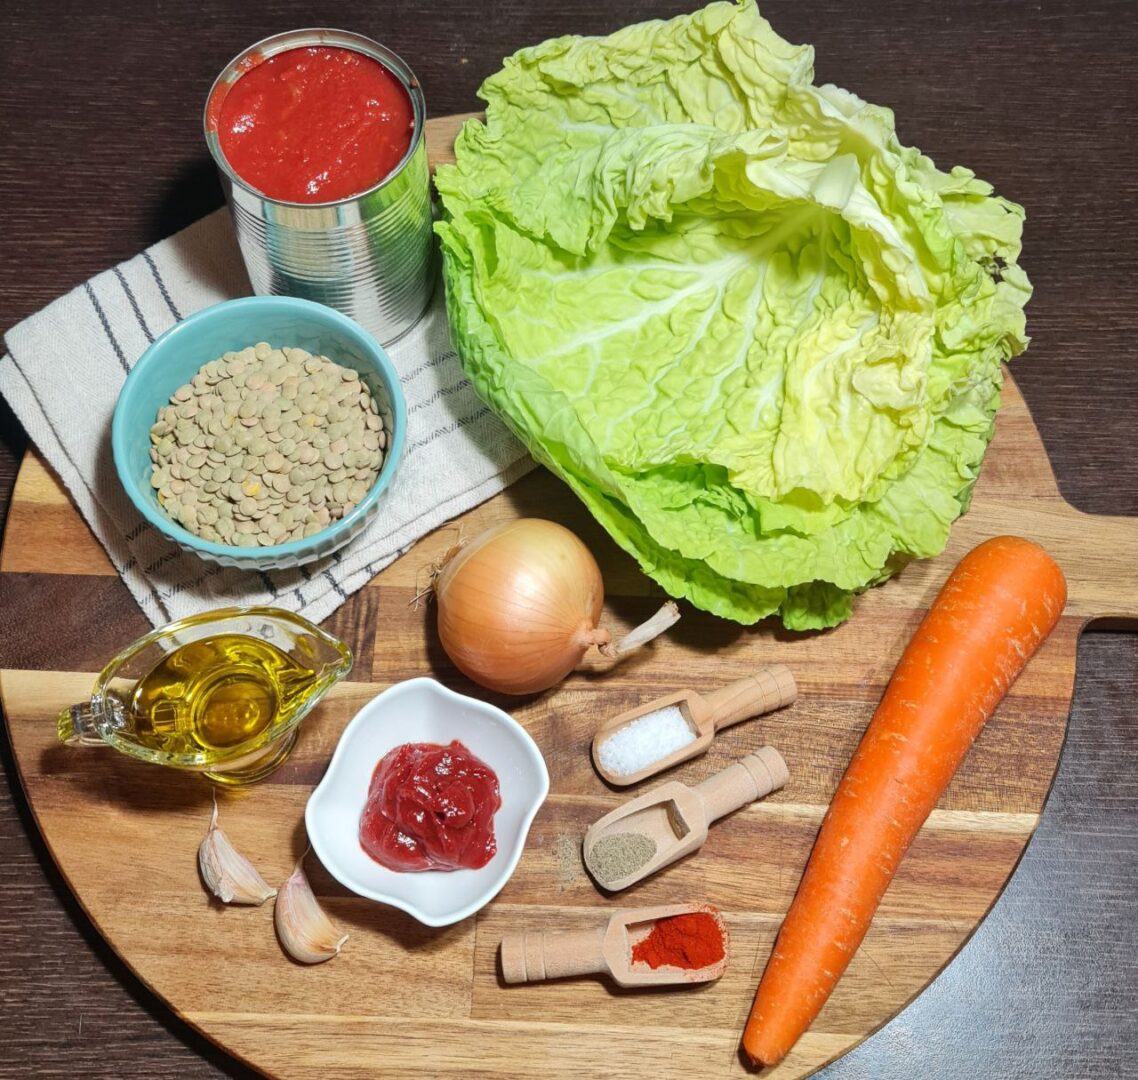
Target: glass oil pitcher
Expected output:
[220,693]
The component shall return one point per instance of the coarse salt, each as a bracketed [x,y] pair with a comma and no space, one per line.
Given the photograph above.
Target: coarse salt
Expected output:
[648,739]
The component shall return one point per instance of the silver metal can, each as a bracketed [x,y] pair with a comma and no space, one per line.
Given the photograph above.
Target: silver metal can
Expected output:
[370,256]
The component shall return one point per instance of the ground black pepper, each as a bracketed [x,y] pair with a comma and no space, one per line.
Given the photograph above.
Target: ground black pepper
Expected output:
[614,857]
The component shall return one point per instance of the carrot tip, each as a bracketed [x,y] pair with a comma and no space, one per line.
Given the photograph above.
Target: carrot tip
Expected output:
[760,1057]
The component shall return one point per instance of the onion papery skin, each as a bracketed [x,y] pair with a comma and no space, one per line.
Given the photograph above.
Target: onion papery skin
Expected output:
[518,606]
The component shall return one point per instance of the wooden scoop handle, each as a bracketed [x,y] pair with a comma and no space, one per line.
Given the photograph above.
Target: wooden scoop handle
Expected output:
[537,955]
[763,692]
[750,778]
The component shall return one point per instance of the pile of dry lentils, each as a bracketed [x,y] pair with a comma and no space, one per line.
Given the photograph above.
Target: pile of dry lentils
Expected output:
[266,445]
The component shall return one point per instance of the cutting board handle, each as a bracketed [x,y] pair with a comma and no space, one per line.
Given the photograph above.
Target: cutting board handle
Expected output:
[1107,565]
[1099,555]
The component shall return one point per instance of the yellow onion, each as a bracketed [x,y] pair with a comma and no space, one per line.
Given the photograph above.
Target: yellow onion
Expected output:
[519,607]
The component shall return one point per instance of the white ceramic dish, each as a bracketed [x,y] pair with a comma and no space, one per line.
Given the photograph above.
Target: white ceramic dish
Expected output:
[421,710]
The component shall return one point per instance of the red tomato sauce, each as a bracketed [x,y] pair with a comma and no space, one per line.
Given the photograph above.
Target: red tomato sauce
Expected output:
[315,124]
[431,807]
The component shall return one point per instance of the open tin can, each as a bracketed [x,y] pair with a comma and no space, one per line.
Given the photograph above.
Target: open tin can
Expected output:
[369,256]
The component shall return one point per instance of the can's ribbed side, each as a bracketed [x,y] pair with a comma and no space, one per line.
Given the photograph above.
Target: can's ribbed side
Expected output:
[371,258]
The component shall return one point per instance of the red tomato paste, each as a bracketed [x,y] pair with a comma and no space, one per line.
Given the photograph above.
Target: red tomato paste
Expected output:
[431,807]
[315,124]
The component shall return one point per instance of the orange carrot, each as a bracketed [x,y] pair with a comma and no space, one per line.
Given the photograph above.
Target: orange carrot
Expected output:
[996,608]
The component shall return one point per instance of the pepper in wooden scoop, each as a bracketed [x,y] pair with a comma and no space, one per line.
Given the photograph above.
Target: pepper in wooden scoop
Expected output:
[537,955]
[671,821]
[686,721]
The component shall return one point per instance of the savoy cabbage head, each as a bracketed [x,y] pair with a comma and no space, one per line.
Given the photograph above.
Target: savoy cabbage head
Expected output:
[757,336]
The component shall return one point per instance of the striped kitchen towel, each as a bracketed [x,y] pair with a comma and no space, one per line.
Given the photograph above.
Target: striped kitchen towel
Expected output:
[62,377]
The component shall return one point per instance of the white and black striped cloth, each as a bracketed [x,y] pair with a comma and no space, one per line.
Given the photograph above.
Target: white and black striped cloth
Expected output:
[66,365]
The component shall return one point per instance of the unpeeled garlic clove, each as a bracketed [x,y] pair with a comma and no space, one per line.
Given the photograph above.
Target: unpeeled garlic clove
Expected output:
[226,872]
[305,931]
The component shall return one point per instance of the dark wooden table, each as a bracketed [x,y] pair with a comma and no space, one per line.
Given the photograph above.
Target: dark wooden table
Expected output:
[102,155]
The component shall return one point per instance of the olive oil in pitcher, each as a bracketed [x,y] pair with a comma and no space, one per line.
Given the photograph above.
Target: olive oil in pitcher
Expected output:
[220,693]
[216,693]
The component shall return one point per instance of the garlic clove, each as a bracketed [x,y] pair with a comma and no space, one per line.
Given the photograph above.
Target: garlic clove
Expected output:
[226,872]
[305,931]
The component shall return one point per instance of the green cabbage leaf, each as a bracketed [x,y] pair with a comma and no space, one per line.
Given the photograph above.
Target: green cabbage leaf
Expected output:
[756,335]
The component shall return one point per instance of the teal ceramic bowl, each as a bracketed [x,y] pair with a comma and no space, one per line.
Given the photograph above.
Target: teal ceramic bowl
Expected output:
[175,358]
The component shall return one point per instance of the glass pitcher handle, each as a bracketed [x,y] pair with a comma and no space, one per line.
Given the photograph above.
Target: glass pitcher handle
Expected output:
[81,724]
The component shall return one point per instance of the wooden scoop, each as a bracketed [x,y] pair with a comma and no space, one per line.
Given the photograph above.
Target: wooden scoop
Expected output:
[763,692]
[675,817]
[537,955]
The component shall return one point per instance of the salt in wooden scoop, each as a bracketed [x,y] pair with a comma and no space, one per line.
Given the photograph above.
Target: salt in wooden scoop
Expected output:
[537,955]
[763,692]
[670,821]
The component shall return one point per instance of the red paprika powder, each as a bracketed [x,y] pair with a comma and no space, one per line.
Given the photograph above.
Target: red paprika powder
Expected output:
[687,941]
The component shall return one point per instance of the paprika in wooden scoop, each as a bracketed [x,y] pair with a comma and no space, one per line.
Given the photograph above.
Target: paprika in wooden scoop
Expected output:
[674,944]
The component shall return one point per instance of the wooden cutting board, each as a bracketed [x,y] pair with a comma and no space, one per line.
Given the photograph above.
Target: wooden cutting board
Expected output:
[406,1000]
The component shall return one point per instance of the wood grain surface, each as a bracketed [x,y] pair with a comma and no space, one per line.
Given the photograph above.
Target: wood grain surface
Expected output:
[93,806]
[1035,97]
